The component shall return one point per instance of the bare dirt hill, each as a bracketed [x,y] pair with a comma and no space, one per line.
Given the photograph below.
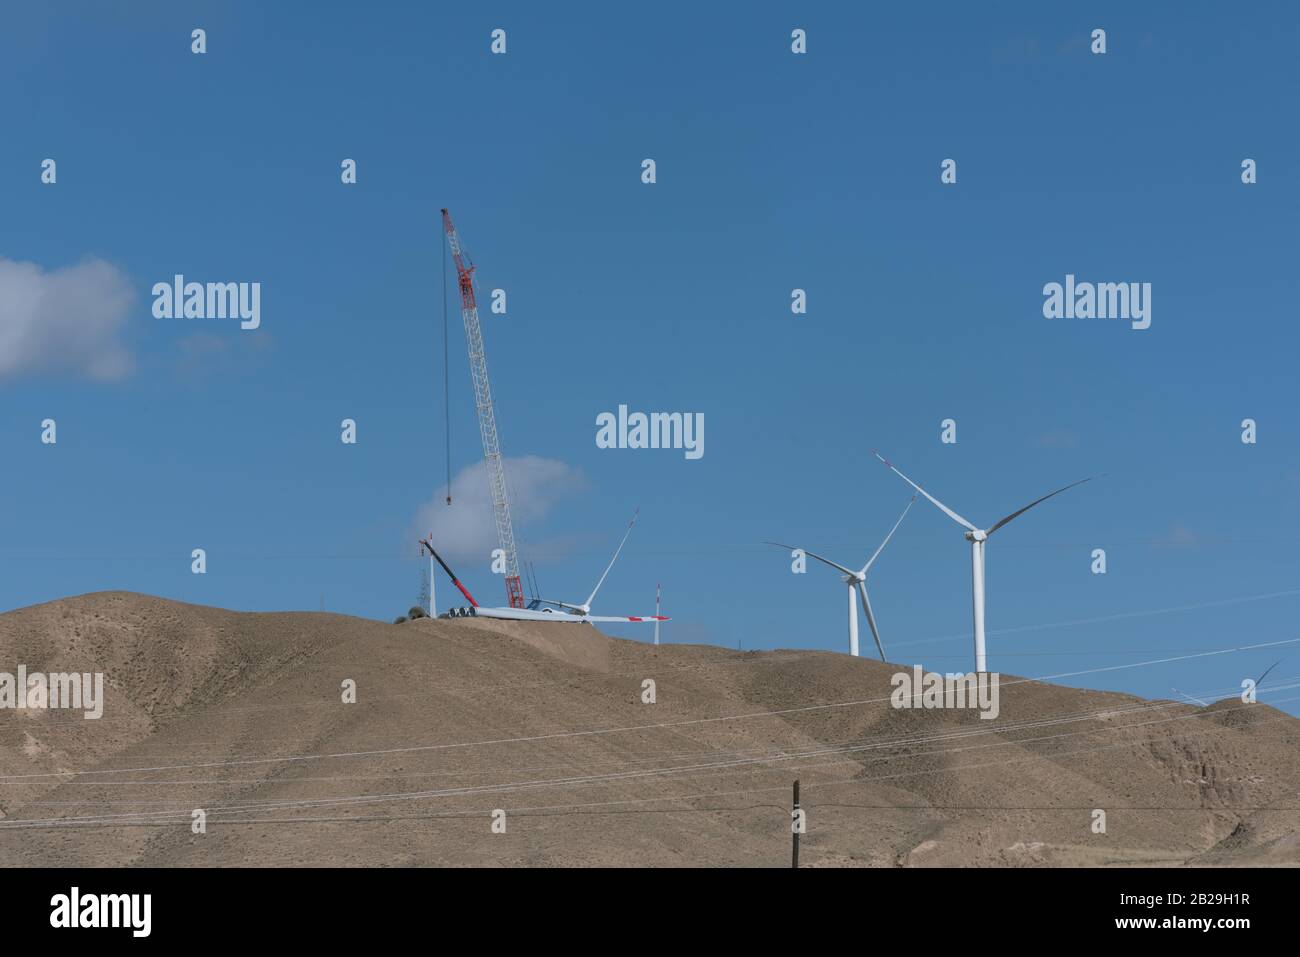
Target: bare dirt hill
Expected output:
[241,716]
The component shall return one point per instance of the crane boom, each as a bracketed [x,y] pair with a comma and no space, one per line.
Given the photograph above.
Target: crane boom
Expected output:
[487,422]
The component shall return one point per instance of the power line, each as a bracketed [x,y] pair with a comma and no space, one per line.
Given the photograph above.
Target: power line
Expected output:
[515,786]
[760,755]
[1114,617]
[564,810]
[687,722]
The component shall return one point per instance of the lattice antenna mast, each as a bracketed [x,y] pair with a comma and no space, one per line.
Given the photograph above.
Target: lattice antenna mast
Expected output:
[487,422]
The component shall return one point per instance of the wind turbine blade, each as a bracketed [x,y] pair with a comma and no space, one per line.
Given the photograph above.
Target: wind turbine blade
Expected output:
[1261,678]
[626,618]
[871,619]
[938,504]
[825,561]
[996,525]
[888,537]
[592,596]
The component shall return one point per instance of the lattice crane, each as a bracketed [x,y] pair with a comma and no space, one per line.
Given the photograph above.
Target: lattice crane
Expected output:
[487,422]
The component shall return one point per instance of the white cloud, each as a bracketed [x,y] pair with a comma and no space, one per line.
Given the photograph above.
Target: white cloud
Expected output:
[466,528]
[67,320]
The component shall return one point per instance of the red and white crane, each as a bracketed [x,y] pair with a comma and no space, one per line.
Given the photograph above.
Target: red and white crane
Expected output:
[487,422]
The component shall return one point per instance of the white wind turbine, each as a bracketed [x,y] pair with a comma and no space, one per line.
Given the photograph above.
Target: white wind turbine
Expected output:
[857,581]
[977,537]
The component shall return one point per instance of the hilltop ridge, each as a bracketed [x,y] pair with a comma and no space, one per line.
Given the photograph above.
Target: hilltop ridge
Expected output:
[241,715]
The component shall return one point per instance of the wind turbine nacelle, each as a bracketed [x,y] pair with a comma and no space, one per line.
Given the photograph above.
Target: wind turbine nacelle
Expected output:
[979,535]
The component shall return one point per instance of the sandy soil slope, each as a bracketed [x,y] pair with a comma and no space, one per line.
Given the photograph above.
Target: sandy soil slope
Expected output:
[241,715]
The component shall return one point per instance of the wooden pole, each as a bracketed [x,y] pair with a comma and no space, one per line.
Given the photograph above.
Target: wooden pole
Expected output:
[794,830]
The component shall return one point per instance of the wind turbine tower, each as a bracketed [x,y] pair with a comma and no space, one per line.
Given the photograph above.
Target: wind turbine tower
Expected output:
[425,580]
[857,582]
[658,599]
[977,537]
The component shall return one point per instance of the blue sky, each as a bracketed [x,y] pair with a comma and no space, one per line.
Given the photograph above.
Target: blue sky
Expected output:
[775,171]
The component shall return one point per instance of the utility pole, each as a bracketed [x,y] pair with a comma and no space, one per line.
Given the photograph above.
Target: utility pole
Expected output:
[796,825]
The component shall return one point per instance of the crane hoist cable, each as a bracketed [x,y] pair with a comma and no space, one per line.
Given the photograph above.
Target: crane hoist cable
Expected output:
[446,367]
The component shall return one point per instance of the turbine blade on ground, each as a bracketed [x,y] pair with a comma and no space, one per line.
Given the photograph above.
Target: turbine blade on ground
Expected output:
[560,604]
[626,618]
[938,504]
[996,525]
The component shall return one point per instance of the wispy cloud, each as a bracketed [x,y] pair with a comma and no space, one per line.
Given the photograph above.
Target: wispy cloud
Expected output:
[1058,439]
[202,356]
[1017,50]
[1179,535]
[466,527]
[68,321]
